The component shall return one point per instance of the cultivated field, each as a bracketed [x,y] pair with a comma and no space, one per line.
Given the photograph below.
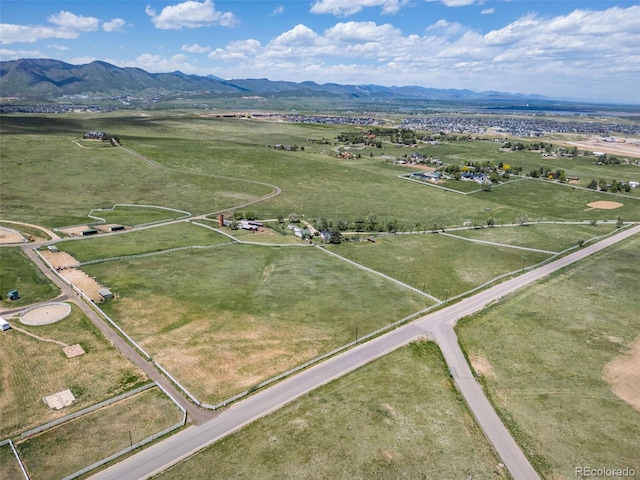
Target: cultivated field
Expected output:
[398,417]
[550,356]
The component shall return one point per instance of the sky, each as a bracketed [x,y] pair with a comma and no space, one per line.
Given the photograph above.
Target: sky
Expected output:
[584,50]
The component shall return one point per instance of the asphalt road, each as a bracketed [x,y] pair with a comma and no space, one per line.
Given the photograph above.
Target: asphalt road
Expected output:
[437,326]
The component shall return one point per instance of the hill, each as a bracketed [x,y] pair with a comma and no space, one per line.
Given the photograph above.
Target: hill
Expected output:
[40,79]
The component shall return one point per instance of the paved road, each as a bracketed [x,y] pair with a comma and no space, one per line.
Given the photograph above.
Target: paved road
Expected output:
[438,326]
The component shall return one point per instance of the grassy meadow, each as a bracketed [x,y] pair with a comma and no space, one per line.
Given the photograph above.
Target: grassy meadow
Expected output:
[435,263]
[9,466]
[222,320]
[397,417]
[31,369]
[209,164]
[163,237]
[543,352]
[53,454]
[19,273]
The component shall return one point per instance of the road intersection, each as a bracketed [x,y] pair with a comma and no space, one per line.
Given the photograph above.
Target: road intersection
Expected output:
[437,326]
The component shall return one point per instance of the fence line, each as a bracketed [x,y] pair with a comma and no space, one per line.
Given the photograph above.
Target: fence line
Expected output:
[375,272]
[178,384]
[150,254]
[95,307]
[84,411]
[124,451]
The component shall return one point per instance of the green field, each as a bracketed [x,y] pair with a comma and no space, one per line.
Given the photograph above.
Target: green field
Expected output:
[222,320]
[53,454]
[397,417]
[9,467]
[19,273]
[549,236]
[31,369]
[435,263]
[544,351]
[194,152]
[139,242]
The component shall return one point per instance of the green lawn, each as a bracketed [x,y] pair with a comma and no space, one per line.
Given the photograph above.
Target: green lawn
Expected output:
[397,417]
[547,348]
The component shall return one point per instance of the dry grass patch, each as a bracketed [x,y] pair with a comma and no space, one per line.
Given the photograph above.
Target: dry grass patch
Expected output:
[397,417]
[623,375]
[222,320]
[31,369]
[72,446]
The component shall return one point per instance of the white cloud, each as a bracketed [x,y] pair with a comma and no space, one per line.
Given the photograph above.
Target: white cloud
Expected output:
[278,11]
[487,11]
[70,21]
[66,25]
[195,48]
[300,35]
[344,8]
[115,25]
[190,14]
[7,54]
[579,54]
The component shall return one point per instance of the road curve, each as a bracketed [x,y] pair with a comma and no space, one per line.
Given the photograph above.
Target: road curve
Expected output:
[437,326]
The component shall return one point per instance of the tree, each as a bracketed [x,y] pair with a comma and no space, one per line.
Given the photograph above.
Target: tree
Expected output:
[293,218]
[523,219]
[490,222]
[335,237]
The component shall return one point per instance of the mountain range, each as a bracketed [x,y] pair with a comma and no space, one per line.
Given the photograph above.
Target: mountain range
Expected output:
[46,79]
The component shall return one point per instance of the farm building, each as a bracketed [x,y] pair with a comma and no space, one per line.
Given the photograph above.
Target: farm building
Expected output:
[4,325]
[53,248]
[106,293]
[13,295]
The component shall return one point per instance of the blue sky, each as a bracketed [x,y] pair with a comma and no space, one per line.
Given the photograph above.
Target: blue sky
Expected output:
[587,50]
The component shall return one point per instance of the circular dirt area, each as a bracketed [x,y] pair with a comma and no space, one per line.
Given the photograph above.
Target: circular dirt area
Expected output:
[44,314]
[605,205]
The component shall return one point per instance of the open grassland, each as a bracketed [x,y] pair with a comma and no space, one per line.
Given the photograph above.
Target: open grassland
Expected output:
[437,263]
[134,215]
[547,236]
[543,353]
[70,181]
[31,369]
[19,273]
[397,417]
[222,320]
[542,200]
[9,467]
[194,150]
[74,445]
[164,237]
